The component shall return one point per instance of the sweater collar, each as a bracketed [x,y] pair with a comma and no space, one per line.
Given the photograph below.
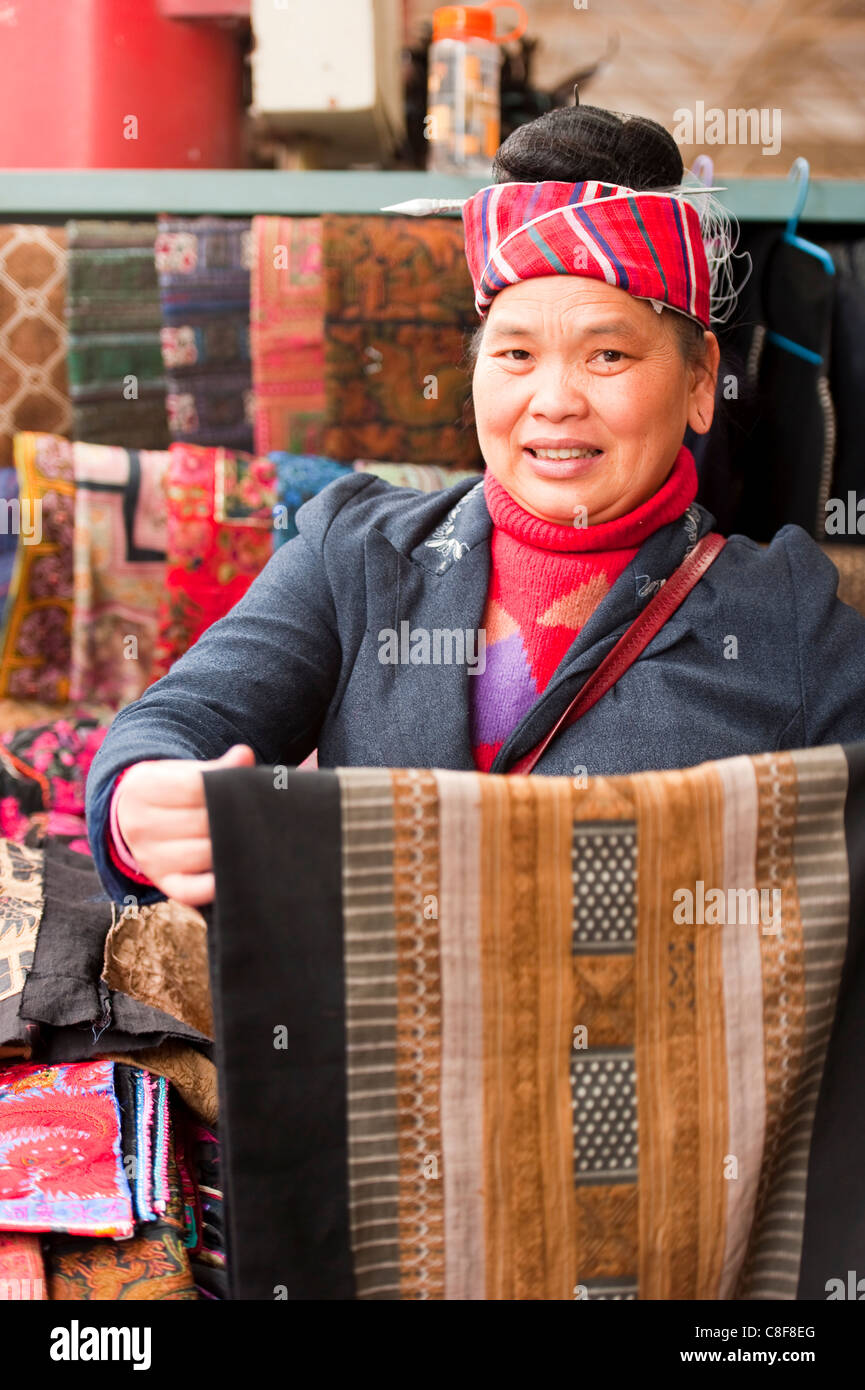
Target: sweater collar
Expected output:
[672,498]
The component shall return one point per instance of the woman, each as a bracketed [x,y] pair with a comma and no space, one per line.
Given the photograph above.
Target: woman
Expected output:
[452,630]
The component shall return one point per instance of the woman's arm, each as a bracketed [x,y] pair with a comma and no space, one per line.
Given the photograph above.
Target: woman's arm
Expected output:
[263,675]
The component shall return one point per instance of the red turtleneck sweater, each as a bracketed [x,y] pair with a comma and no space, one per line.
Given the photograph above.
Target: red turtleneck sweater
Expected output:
[546,580]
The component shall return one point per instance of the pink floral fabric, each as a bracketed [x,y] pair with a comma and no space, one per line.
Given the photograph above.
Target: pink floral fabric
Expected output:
[43,775]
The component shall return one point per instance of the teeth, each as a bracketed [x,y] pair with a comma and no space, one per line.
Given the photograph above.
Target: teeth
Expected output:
[565,453]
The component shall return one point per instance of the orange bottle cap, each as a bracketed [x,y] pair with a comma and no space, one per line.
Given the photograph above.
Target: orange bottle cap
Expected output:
[476,22]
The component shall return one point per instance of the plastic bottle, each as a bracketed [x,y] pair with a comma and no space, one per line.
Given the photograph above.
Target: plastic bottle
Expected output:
[463,97]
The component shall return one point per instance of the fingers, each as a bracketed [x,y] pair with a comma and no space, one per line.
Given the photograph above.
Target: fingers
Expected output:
[239,754]
[147,821]
[162,815]
[193,889]
[178,781]
[178,857]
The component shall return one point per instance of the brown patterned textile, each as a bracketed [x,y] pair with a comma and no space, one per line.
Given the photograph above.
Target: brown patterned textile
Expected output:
[157,954]
[34,389]
[398,305]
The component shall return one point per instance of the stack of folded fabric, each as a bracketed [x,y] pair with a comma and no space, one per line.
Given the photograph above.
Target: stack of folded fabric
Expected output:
[94,1185]
[219,536]
[118,569]
[109,1155]
[300,477]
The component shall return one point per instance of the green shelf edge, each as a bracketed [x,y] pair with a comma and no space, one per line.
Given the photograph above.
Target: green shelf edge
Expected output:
[48,193]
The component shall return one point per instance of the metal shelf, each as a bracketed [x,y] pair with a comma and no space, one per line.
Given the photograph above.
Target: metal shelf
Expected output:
[53,195]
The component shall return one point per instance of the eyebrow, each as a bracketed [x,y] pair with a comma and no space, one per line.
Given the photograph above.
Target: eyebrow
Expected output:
[516,330]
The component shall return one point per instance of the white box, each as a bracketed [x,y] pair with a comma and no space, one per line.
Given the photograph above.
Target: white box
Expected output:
[331,70]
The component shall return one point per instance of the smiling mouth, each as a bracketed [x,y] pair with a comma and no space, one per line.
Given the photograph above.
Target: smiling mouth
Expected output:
[561,454]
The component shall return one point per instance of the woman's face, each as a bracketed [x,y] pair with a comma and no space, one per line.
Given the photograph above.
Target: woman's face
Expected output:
[568,361]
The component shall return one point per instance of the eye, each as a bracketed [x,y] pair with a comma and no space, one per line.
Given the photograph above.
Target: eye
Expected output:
[524,351]
[612,353]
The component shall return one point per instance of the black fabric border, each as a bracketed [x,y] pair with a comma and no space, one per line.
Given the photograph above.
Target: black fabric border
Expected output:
[834,1234]
[276,959]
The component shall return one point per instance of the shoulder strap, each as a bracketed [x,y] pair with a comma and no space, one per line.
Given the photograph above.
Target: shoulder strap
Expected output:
[632,642]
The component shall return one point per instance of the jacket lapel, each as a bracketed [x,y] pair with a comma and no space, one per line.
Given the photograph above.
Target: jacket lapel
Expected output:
[439,586]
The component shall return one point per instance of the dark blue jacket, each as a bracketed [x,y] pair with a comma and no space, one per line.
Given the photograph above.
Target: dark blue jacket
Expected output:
[296,663]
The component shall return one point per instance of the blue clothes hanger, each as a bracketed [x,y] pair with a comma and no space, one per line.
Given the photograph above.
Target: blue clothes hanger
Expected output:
[800,172]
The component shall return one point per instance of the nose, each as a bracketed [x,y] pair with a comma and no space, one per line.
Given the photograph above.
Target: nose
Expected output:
[559,392]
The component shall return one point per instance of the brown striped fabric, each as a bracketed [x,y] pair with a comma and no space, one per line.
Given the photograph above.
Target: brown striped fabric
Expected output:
[586,1026]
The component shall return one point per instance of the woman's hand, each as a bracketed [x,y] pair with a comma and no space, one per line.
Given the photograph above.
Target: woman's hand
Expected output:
[162,814]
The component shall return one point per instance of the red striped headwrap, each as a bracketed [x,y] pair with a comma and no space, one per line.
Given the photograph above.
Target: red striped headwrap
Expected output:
[648,244]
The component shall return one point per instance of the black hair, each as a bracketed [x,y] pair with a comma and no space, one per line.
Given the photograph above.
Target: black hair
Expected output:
[573,143]
[576,143]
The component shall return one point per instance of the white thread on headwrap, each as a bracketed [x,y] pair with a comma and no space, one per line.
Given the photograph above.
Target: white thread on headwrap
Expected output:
[719,233]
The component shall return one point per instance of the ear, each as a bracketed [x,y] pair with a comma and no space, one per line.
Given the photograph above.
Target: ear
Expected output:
[704,376]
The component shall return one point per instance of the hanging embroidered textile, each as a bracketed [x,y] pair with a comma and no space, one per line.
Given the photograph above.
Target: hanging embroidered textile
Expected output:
[286,328]
[116,376]
[398,306]
[33,333]
[219,536]
[119,570]
[203,265]
[35,640]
